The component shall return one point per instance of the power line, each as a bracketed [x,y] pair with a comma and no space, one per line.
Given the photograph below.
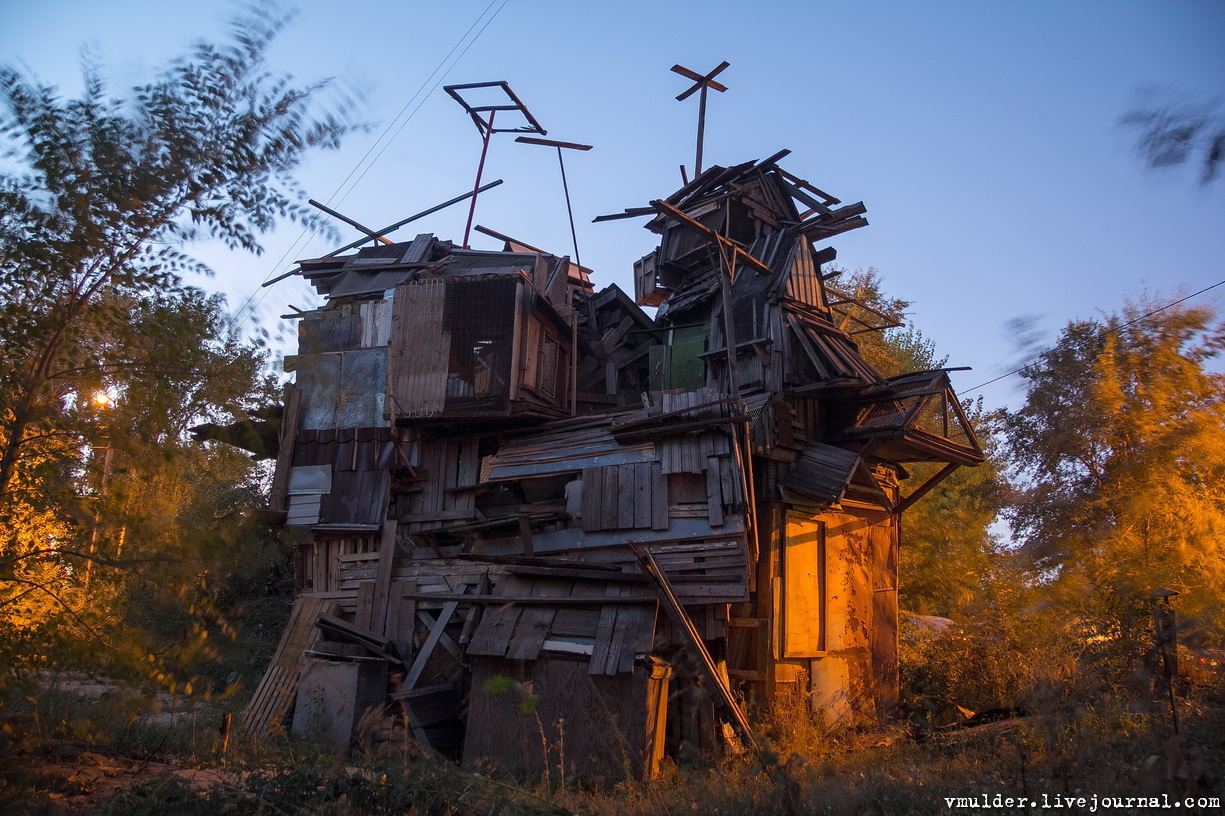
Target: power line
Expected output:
[1111,330]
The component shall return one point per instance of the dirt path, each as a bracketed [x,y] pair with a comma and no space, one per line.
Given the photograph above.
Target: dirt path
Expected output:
[73,777]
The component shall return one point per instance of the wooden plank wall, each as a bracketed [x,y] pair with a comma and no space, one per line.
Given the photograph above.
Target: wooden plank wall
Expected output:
[452,471]
[607,721]
[324,558]
[804,282]
[688,453]
[625,497]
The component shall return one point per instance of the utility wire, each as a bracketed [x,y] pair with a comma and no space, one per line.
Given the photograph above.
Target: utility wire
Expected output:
[1112,330]
[247,310]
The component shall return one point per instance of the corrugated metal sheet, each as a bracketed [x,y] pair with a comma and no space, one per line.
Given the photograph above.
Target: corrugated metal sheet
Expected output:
[565,452]
[822,472]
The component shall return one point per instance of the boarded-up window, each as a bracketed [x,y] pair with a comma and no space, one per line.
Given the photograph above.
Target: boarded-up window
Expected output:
[625,497]
[451,468]
[804,587]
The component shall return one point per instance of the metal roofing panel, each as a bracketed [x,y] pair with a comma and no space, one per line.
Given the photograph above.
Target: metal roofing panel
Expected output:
[822,472]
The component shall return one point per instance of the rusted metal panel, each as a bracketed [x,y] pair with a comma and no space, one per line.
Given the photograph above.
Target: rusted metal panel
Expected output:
[540,457]
[417,351]
[822,473]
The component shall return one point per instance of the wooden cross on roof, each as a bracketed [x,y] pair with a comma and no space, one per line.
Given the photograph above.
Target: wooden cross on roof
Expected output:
[700,83]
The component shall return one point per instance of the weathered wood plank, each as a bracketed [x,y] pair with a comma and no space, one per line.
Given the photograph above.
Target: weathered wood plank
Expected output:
[714,493]
[602,653]
[721,693]
[642,495]
[276,690]
[382,582]
[365,605]
[625,497]
[497,626]
[534,622]
[659,499]
[431,640]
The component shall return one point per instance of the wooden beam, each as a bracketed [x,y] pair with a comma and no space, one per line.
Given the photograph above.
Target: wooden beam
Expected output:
[435,635]
[923,489]
[720,692]
[382,581]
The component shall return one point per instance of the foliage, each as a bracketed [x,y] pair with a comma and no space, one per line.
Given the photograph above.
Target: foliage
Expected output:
[947,547]
[1173,132]
[108,518]
[1120,456]
[1083,745]
[108,190]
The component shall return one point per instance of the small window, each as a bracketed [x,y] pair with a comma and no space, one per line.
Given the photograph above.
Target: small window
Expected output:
[549,370]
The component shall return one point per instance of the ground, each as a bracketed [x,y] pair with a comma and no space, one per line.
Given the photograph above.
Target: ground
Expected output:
[893,768]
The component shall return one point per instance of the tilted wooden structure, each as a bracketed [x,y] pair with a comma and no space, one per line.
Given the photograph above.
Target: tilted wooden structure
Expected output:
[518,494]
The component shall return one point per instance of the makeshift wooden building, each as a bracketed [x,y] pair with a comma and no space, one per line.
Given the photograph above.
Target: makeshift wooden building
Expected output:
[535,509]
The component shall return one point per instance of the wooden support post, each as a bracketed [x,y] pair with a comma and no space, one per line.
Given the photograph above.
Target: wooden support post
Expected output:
[382,581]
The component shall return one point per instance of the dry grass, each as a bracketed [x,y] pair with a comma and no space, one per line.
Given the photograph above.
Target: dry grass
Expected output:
[68,756]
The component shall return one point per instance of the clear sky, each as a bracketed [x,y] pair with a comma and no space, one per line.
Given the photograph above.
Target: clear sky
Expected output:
[983,136]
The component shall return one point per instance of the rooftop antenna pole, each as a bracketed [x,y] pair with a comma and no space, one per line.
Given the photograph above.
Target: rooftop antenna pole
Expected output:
[482,117]
[480,168]
[564,186]
[700,83]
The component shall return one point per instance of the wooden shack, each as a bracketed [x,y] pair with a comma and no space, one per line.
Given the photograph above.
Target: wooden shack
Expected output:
[510,487]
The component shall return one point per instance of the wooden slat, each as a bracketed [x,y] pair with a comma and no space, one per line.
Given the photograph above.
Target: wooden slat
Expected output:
[534,622]
[626,495]
[401,618]
[642,495]
[600,656]
[593,498]
[431,640]
[497,626]
[444,640]
[365,605]
[714,493]
[659,499]
[275,693]
[382,583]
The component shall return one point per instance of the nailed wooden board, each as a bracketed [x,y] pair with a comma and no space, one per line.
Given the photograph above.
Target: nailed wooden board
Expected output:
[275,693]
[417,351]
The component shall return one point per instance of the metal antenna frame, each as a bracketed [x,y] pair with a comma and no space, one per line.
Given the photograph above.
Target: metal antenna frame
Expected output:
[486,127]
[564,186]
[700,82]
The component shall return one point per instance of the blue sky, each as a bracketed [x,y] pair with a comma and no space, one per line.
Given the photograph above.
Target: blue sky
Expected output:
[983,136]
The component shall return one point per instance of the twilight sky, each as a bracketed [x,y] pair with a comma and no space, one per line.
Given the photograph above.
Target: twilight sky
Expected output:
[983,136]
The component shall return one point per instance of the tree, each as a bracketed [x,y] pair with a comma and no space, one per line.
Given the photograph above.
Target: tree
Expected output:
[90,229]
[947,548]
[92,301]
[1119,452]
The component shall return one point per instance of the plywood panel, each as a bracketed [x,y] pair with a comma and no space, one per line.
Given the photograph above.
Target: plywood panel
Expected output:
[803,600]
